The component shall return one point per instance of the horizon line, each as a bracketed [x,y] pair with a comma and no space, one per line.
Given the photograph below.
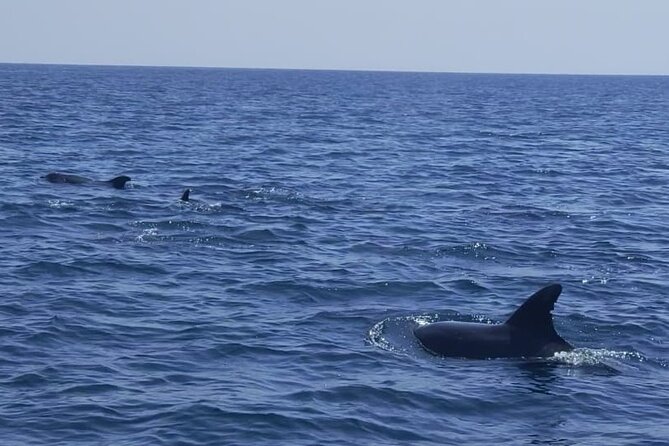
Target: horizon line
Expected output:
[362,70]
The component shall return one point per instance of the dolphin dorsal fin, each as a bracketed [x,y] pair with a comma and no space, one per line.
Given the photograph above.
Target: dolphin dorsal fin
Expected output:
[186,195]
[119,182]
[535,313]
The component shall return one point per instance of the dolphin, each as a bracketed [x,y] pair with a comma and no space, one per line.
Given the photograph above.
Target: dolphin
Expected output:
[529,332]
[185,198]
[55,177]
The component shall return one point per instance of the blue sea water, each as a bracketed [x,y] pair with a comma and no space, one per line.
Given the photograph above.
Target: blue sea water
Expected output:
[332,212]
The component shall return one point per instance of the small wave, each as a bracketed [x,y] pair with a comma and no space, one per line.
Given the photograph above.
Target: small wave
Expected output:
[147,235]
[209,208]
[603,280]
[167,225]
[476,250]
[60,204]
[257,235]
[395,334]
[280,194]
[30,379]
[90,389]
[54,268]
[265,193]
[156,231]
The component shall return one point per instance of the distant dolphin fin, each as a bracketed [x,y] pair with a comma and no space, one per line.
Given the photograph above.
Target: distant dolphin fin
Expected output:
[535,314]
[186,195]
[119,182]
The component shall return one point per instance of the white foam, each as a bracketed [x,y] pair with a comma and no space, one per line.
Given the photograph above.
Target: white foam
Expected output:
[590,356]
[58,204]
[148,232]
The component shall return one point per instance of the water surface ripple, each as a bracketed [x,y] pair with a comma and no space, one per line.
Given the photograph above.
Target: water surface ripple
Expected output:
[332,212]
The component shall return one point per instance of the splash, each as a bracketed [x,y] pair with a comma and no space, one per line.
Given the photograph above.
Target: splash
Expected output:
[147,233]
[266,193]
[591,357]
[376,337]
[59,204]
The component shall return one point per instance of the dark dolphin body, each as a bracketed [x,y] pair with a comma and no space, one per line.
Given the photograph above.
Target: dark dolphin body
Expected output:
[529,332]
[186,195]
[55,177]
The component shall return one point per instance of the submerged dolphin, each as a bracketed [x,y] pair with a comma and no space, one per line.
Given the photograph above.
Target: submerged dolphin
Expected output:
[529,332]
[199,205]
[55,177]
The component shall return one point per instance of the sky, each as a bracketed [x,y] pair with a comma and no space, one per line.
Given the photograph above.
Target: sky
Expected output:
[488,36]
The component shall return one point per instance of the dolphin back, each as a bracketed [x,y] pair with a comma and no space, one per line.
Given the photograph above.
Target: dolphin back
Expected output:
[57,177]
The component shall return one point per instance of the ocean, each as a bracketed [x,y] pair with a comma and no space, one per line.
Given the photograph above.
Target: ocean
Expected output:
[332,212]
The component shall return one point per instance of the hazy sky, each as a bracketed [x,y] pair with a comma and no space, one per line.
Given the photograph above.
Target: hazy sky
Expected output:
[526,36]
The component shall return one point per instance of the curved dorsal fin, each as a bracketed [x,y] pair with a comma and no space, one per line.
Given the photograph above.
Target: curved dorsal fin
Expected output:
[119,182]
[535,313]
[186,195]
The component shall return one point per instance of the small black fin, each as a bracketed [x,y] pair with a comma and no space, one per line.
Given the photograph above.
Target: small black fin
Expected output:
[119,182]
[186,195]
[535,313]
